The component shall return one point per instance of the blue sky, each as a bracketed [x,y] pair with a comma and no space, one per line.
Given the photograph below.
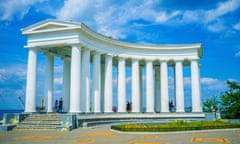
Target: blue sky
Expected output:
[214,23]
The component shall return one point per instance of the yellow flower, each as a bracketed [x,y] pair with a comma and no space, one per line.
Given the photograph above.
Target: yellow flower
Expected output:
[13,121]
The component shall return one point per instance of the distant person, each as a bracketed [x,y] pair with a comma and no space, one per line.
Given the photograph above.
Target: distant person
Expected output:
[114,109]
[128,107]
[171,106]
[60,107]
[56,106]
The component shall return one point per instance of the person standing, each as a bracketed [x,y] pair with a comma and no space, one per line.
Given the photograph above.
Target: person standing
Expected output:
[56,106]
[60,108]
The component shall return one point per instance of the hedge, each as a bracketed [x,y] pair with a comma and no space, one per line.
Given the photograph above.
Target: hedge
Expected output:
[175,126]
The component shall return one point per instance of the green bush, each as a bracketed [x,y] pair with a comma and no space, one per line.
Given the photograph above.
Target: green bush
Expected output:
[175,126]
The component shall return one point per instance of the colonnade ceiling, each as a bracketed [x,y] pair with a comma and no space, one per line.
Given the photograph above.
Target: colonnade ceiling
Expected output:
[62,52]
[65,52]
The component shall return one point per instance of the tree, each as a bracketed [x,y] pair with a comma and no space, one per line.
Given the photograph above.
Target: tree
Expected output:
[211,104]
[230,100]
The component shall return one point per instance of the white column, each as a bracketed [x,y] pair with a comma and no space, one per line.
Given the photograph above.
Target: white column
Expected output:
[141,107]
[135,86]
[85,85]
[96,80]
[48,92]
[30,102]
[102,86]
[121,85]
[66,84]
[157,89]
[149,87]
[179,86]
[108,84]
[196,96]
[164,87]
[75,79]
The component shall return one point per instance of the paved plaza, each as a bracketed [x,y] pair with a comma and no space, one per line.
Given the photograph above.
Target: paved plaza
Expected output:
[103,135]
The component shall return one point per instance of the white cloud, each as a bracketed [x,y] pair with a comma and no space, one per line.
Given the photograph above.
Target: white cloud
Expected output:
[164,17]
[237,26]
[128,79]
[58,81]
[187,81]
[217,26]
[213,84]
[212,18]
[208,83]
[222,9]
[58,92]
[16,9]
[111,18]
[237,54]
[192,16]
[12,73]
[12,86]
[75,9]
[2,75]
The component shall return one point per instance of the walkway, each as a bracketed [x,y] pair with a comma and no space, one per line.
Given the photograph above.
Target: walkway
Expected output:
[102,135]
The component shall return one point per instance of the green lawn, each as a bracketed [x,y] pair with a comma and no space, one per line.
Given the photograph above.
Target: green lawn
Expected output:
[175,126]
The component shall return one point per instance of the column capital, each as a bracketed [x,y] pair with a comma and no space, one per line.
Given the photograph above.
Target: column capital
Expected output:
[66,58]
[85,48]
[148,60]
[47,53]
[95,52]
[108,55]
[121,58]
[197,60]
[179,60]
[135,60]
[163,61]
[76,45]
[34,48]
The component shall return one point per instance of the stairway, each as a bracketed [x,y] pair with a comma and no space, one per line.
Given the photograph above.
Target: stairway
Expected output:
[40,122]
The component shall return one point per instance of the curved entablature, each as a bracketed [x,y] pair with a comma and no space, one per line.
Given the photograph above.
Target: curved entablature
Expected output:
[124,44]
[54,33]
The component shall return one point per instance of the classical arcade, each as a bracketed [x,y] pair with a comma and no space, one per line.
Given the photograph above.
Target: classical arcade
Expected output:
[82,49]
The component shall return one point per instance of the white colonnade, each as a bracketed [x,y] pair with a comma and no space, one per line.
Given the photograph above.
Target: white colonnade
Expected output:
[76,83]
[88,61]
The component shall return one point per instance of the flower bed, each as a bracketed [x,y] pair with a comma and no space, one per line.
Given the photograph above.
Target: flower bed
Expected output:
[175,126]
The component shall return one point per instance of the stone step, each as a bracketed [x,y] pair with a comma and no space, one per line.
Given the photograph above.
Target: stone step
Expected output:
[44,117]
[46,127]
[40,121]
